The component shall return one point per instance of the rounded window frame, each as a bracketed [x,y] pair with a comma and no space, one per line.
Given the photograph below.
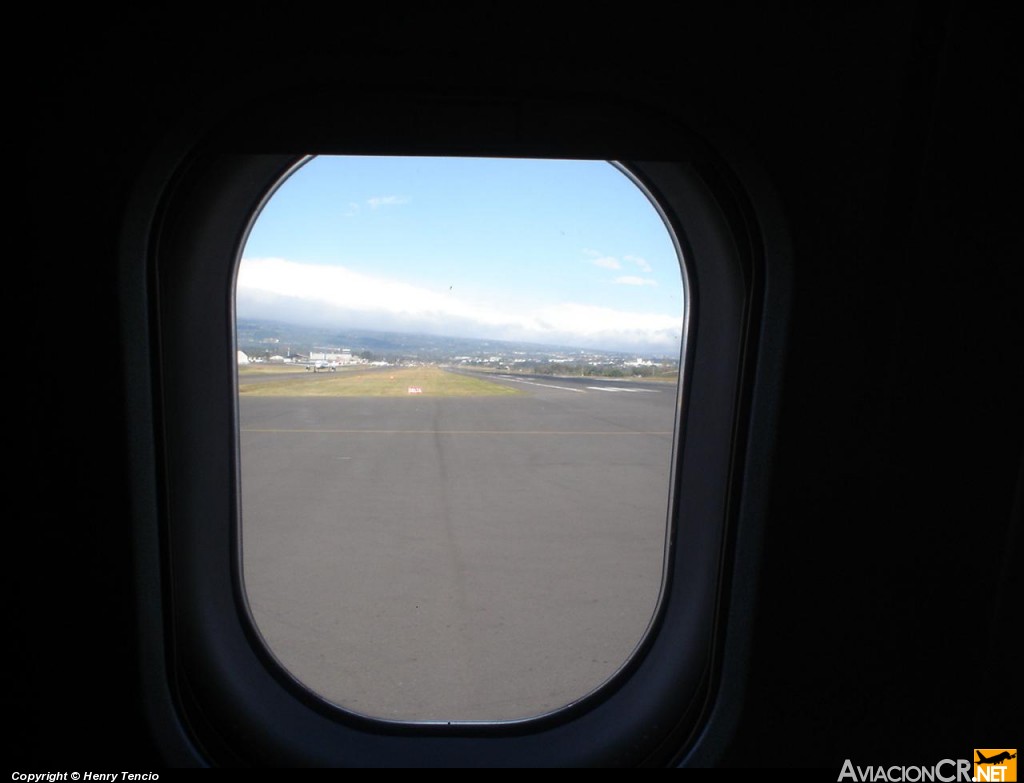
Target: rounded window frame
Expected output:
[211,685]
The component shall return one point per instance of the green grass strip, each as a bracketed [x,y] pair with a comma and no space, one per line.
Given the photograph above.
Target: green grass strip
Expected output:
[388,382]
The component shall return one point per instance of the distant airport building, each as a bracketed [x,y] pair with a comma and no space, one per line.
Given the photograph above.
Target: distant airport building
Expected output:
[243,357]
[338,356]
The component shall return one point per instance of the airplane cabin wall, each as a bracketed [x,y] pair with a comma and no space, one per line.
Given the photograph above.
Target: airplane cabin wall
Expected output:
[889,137]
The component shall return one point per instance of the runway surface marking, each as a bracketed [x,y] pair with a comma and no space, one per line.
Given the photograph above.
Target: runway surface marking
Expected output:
[545,385]
[621,389]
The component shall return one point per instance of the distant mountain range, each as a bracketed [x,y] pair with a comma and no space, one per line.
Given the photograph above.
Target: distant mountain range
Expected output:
[256,336]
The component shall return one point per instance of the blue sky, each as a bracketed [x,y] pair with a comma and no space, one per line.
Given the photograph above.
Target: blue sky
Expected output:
[559,252]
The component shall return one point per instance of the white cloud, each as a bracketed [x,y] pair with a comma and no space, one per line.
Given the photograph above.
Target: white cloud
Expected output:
[607,262]
[309,293]
[386,201]
[629,280]
[640,262]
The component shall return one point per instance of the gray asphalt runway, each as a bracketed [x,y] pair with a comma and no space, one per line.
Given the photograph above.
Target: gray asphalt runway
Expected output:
[457,559]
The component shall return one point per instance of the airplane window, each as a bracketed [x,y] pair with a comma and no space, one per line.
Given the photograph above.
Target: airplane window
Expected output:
[458,395]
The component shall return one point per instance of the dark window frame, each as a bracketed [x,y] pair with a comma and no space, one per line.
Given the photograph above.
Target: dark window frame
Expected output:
[214,695]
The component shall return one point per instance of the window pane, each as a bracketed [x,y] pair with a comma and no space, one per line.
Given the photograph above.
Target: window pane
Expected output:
[458,395]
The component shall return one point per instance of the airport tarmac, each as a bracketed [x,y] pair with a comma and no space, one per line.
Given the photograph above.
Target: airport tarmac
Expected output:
[457,559]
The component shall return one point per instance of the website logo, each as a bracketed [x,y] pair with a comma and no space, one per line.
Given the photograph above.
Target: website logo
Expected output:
[944,771]
[995,764]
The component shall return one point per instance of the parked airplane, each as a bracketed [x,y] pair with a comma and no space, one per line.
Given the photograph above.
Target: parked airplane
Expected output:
[321,365]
